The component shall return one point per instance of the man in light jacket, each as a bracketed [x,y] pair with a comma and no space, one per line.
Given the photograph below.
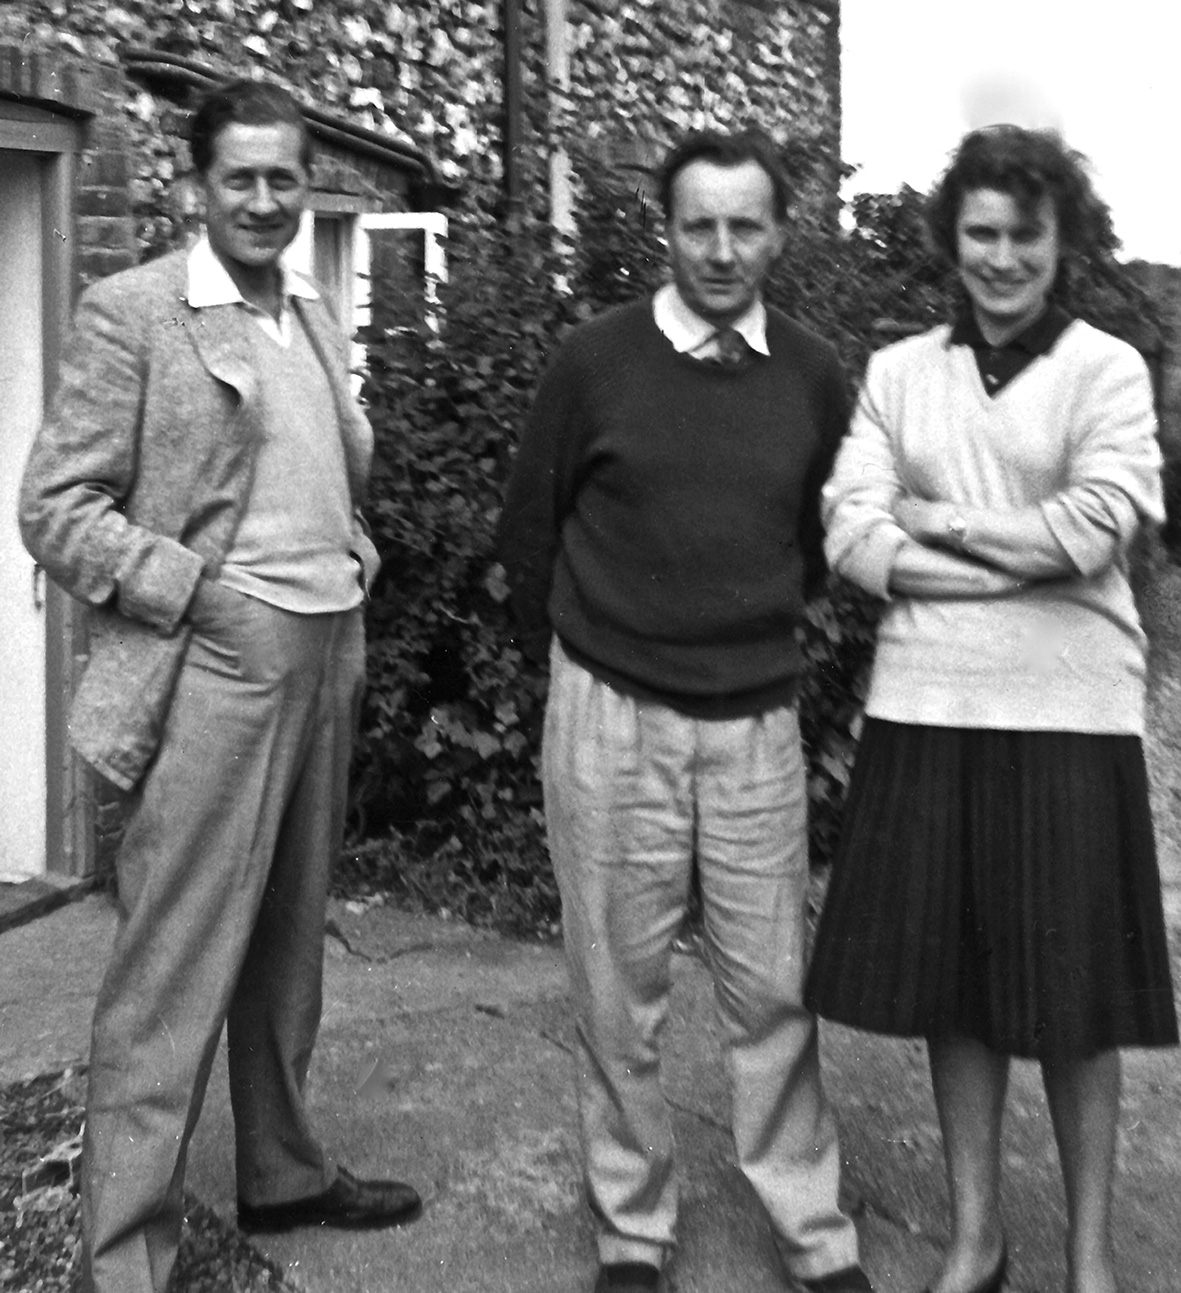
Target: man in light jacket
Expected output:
[197,485]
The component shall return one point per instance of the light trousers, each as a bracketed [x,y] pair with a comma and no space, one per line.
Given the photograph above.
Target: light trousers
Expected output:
[634,793]
[223,876]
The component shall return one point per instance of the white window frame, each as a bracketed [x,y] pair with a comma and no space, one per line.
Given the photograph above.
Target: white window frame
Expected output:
[357,257]
[434,231]
[301,255]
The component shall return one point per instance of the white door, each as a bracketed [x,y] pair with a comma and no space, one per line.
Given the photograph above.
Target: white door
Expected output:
[22,591]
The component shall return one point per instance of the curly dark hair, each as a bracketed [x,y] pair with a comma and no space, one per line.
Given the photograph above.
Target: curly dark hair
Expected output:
[1028,165]
[247,103]
[724,149]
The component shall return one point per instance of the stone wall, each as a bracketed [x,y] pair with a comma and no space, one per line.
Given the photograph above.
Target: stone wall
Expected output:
[126,201]
[432,72]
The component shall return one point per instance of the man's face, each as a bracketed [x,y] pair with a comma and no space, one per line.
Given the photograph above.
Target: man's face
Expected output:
[255,191]
[723,236]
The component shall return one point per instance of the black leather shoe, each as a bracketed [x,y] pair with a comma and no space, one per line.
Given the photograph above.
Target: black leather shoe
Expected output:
[347,1203]
[627,1277]
[850,1279]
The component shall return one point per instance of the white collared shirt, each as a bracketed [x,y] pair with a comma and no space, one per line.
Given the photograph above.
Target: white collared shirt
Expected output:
[211,284]
[689,332]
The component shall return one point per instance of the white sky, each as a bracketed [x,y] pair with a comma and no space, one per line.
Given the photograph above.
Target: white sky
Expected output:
[916,74]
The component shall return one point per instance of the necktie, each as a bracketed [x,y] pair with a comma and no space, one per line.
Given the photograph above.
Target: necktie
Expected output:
[731,350]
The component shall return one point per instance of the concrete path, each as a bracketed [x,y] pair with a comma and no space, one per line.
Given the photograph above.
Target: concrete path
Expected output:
[445,1057]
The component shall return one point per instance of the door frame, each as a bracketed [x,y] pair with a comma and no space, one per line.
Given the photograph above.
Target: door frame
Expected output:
[69,812]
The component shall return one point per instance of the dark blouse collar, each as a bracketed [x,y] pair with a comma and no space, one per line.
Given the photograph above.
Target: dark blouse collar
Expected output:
[1037,339]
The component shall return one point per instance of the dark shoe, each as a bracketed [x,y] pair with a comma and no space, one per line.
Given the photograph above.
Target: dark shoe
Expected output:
[348,1203]
[994,1282]
[627,1277]
[852,1279]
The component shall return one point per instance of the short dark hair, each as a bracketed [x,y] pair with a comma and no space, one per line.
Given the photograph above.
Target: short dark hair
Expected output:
[248,103]
[1029,166]
[726,150]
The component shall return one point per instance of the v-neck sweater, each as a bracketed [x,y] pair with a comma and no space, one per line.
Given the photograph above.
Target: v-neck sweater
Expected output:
[293,544]
[663,515]
[1074,434]
[999,365]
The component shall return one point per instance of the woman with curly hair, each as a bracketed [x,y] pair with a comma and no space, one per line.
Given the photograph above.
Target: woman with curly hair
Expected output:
[996,889]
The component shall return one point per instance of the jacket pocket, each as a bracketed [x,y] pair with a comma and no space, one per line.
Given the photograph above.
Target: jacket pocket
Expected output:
[122,703]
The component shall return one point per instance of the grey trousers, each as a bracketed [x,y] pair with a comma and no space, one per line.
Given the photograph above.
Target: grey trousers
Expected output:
[633,792]
[223,876]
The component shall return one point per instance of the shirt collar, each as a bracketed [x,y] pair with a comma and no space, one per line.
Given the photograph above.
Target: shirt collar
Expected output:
[687,330]
[1037,339]
[210,282]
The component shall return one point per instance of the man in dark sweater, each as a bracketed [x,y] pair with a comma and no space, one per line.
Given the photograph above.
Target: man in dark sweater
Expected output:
[661,534]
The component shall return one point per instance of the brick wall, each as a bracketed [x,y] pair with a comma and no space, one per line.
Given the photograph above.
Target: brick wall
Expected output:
[103,217]
[88,97]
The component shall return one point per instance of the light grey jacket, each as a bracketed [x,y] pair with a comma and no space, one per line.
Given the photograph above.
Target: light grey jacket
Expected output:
[137,481]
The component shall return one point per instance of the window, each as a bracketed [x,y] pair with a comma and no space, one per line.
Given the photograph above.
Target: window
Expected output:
[345,251]
[407,238]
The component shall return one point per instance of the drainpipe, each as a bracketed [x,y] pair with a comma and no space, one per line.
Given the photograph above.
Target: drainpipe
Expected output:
[557,60]
[513,108]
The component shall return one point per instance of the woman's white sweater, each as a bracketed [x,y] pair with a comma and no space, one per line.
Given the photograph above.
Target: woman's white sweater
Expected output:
[1074,433]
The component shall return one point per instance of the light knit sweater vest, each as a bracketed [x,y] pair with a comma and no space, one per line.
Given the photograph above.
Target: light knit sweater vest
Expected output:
[292,546]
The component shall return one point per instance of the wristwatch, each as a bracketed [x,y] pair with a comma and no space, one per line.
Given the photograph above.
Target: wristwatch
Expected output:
[957,530]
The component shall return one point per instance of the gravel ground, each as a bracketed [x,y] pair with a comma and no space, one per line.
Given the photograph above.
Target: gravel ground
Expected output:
[41,1119]
[40,1138]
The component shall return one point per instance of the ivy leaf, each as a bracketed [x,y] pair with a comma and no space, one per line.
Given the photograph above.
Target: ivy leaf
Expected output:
[496,583]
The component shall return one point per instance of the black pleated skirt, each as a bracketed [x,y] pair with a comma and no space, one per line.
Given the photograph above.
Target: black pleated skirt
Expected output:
[997,885]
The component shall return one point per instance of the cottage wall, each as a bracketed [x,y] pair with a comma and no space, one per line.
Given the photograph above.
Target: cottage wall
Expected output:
[433,72]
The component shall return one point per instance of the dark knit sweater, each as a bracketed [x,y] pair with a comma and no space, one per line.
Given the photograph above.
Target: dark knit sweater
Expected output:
[662,517]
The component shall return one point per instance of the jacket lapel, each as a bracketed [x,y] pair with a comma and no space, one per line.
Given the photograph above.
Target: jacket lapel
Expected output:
[222,343]
[317,321]
[355,434]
